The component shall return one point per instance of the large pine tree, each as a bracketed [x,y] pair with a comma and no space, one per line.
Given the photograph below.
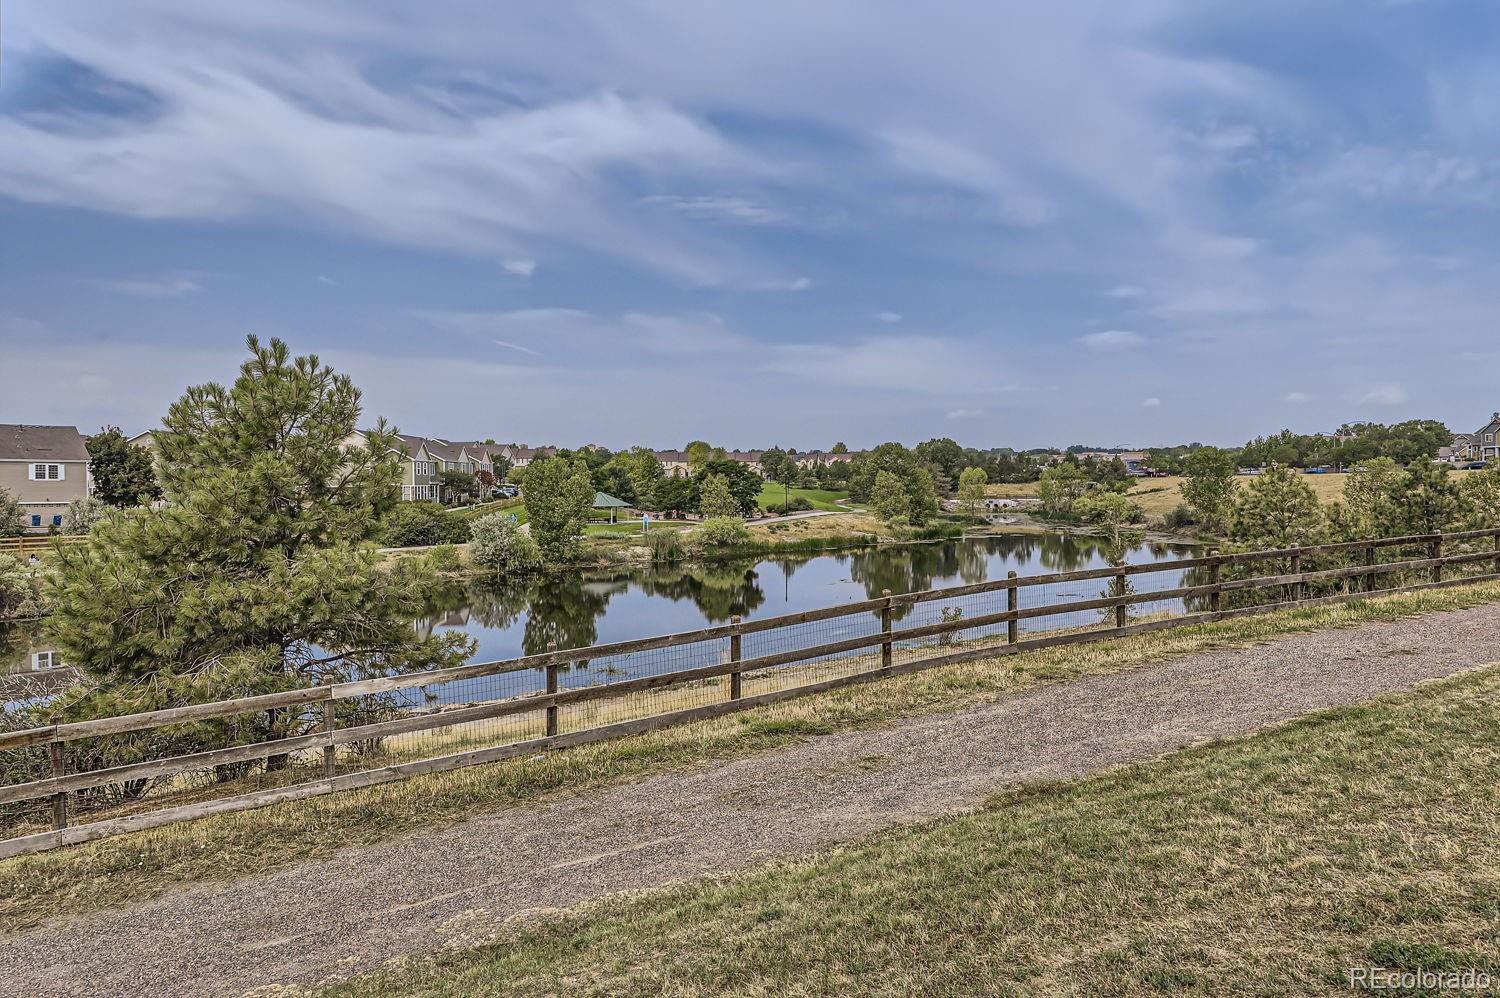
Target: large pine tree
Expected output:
[254,576]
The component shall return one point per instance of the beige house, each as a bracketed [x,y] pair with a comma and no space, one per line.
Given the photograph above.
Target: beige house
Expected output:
[1486,439]
[43,467]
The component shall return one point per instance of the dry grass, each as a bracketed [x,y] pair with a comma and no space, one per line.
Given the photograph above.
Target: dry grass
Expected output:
[139,865]
[1159,496]
[1264,865]
[836,525]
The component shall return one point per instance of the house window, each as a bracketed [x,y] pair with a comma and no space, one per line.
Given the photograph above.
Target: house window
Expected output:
[36,519]
[47,473]
[57,520]
[1489,438]
[43,659]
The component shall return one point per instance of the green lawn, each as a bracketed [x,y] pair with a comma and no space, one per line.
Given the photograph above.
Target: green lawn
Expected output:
[634,526]
[772,494]
[1265,865]
[514,505]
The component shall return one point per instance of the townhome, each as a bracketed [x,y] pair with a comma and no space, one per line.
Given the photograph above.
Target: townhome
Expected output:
[422,475]
[674,463]
[1487,440]
[43,467]
[520,455]
[750,457]
[814,458]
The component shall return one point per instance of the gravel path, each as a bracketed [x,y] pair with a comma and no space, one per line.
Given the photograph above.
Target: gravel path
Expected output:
[447,886]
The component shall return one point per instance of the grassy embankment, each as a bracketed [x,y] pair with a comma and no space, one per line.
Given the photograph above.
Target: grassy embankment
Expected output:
[773,494]
[1159,496]
[1267,865]
[136,866]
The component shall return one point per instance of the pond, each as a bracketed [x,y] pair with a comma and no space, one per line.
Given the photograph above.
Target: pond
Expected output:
[570,611]
[508,620]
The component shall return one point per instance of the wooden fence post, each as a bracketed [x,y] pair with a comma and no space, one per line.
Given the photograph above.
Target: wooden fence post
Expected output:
[551,689]
[1497,554]
[59,801]
[1215,571]
[736,687]
[1013,603]
[330,750]
[1371,582]
[1120,583]
[1298,586]
[1435,550]
[885,628]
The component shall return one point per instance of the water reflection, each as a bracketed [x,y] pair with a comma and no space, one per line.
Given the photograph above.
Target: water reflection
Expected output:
[511,619]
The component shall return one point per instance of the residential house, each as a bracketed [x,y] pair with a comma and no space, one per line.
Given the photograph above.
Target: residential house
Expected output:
[674,463]
[1462,448]
[750,457]
[1487,440]
[520,455]
[422,473]
[467,456]
[43,467]
[814,458]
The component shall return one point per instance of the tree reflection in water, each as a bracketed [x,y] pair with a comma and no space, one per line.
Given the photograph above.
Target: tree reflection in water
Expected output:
[567,609]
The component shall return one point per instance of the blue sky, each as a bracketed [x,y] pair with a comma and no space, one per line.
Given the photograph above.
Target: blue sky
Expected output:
[772,223]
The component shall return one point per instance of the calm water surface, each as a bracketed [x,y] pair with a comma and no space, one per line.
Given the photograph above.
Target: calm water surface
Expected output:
[509,620]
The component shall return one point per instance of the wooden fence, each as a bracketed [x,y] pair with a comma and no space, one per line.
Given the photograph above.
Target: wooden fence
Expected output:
[29,544]
[1359,572]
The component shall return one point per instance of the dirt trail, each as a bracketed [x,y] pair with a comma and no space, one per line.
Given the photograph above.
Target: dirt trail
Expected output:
[420,892]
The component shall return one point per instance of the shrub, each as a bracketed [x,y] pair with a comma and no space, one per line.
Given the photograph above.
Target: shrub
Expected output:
[20,589]
[82,514]
[419,524]
[666,545]
[1178,517]
[798,504]
[498,543]
[721,532]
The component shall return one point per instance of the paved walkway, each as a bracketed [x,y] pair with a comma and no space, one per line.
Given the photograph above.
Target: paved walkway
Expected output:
[414,894]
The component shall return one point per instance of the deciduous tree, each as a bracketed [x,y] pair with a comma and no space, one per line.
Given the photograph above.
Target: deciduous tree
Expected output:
[559,494]
[1209,486]
[123,475]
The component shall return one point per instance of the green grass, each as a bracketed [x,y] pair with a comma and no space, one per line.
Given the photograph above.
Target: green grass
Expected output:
[514,505]
[1264,865]
[772,494]
[133,867]
[634,528]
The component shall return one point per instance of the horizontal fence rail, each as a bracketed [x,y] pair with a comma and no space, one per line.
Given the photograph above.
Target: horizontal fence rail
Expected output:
[29,544]
[371,731]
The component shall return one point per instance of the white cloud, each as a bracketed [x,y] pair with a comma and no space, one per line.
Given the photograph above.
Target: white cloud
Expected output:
[520,267]
[517,346]
[1125,291]
[718,208]
[891,317]
[1151,403]
[1383,395]
[1297,398]
[1112,341]
[172,285]
[329,281]
[965,413]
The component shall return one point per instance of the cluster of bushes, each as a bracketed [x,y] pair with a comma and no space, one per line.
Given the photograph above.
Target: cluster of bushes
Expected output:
[20,589]
[798,504]
[421,524]
[498,544]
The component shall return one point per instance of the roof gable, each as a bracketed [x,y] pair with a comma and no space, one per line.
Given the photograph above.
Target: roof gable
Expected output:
[24,442]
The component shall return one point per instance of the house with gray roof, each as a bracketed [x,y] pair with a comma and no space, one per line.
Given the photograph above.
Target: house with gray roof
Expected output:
[44,468]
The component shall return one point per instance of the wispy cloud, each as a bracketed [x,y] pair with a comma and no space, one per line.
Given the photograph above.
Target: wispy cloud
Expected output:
[1151,403]
[172,285]
[891,317]
[1112,341]
[517,346]
[519,267]
[724,208]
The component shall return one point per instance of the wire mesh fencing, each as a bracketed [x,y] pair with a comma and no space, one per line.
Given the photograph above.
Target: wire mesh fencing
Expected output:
[190,759]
